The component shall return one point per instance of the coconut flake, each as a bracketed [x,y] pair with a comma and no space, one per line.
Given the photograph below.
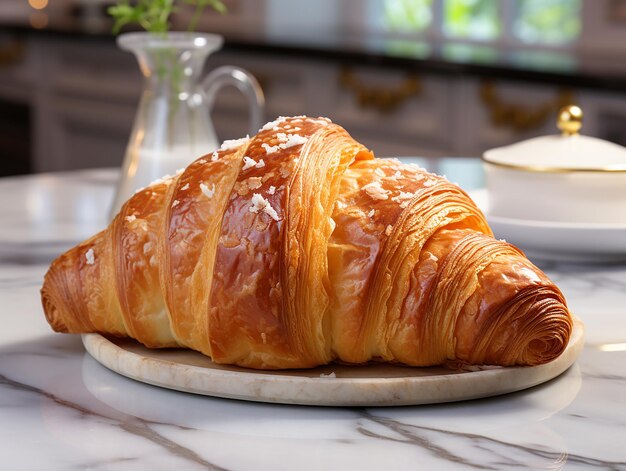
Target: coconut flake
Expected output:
[286,141]
[397,174]
[271,212]
[388,230]
[260,164]
[375,191]
[230,144]
[404,197]
[214,156]
[379,172]
[294,140]
[270,149]
[273,124]
[209,192]
[371,213]
[259,203]
[130,218]
[428,183]
[175,203]
[185,187]
[272,190]
[90,257]
[248,163]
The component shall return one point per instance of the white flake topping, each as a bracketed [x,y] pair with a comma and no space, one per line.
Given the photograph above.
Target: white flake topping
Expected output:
[234,143]
[404,198]
[375,191]
[295,140]
[185,187]
[214,156]
[397,174]
[371,213]
[285,142]
[428,183]
[270,149]
[175,203]
[379,172]
[209,192]
[90,257]
[248,163]
[130,218]
[274,123]
[271,190]
[261,164]
[230,144]
[388,230]
[261,204]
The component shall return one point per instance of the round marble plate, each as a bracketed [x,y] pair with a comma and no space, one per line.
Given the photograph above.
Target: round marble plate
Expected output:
[330,385]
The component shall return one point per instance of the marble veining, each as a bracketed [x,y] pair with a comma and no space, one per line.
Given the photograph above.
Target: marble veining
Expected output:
[60,409]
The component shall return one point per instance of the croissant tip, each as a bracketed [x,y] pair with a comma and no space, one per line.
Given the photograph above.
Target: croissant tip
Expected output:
[50,309]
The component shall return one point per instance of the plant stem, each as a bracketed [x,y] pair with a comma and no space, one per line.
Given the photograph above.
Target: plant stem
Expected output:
[193,23]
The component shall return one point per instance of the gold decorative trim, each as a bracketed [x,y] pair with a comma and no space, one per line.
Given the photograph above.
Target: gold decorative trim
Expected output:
[544,169]
[384,100]
[520,117]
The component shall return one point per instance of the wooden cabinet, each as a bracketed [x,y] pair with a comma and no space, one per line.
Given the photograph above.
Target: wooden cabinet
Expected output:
[83,95]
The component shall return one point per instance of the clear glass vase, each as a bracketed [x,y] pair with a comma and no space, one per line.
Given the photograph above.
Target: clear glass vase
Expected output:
[173,123]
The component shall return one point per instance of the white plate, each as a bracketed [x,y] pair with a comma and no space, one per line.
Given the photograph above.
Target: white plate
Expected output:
[371,385]
[558,241]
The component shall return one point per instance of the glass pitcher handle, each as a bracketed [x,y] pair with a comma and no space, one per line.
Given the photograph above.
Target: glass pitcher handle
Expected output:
[245,83]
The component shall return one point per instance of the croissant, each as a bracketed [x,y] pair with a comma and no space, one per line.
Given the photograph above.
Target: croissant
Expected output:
[296,248]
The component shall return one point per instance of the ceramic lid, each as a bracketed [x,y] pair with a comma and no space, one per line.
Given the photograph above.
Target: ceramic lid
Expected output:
[568,151]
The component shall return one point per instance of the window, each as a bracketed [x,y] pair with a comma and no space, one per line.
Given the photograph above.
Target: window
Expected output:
[547,21]
[473,19]
[534,23]
[408,15]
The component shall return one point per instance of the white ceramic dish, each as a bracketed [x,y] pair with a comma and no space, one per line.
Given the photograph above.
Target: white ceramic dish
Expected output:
[567,178]
[372,385]
[558,241]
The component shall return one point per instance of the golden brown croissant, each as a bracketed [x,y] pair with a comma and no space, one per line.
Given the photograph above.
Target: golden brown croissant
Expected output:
[296,248]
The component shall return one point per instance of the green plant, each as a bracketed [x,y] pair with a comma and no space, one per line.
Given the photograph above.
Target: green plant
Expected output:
[154,15]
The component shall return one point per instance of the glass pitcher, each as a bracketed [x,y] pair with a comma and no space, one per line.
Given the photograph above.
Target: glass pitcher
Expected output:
[173,124]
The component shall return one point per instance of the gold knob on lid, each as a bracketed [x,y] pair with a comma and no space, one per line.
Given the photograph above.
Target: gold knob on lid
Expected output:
[570,120]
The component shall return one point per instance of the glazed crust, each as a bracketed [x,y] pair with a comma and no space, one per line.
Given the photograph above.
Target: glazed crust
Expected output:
[297,248]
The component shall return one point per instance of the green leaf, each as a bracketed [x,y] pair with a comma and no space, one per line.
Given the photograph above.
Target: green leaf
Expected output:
[154,15]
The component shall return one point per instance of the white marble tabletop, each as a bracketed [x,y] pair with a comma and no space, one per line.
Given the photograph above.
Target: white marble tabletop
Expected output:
[60,409]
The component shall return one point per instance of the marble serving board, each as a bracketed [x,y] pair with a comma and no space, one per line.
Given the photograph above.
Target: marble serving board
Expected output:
[330,385]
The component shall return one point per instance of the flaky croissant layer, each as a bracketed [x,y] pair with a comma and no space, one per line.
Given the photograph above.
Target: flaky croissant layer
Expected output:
[297,248]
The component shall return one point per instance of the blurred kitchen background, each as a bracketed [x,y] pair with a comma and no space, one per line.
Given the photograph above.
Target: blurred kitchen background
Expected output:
[406,77]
